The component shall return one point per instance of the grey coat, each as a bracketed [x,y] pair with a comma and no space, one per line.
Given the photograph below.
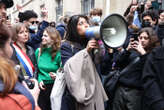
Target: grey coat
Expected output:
[84,83]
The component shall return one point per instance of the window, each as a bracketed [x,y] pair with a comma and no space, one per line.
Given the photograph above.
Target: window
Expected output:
[87,5]
[59,8]
[23,1]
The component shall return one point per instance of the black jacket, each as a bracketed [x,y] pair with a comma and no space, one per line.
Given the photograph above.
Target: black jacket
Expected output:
[68,49]
[153,80]
[31,54]
[133,77]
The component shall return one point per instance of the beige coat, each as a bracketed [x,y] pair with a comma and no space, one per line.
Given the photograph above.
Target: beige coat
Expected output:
[84,83]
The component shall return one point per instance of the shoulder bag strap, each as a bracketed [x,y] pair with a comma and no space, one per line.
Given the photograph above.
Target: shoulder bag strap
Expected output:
[130,65]
[39,53]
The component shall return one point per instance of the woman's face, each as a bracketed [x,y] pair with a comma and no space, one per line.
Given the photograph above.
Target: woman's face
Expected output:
[46,40]
[23,35]
[144,39]
[82,25]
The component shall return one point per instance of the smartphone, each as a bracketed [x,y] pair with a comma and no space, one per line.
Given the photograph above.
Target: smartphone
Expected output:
[135,36]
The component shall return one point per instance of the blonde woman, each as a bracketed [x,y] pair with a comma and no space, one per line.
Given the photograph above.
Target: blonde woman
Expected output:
[24,52]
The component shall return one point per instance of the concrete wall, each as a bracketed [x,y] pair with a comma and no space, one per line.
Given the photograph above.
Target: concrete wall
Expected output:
[119,6]
[71,7]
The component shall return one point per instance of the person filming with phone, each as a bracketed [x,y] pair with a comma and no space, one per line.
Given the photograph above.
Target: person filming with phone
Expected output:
[129,88]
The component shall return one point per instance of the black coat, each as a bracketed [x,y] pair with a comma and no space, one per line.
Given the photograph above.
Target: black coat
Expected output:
[153,80]
[31,54]
[68,49]
[133,76]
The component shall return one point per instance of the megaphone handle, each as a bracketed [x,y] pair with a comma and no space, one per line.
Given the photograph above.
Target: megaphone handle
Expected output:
[95,51]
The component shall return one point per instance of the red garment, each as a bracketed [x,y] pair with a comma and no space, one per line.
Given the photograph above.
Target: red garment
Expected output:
[15,102]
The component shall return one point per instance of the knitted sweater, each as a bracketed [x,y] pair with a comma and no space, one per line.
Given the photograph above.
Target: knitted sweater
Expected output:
[46,65]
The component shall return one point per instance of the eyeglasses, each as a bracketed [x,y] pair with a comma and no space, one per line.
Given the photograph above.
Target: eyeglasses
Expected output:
[34,22]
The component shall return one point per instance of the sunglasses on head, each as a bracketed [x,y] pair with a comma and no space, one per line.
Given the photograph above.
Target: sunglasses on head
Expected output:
[34,22]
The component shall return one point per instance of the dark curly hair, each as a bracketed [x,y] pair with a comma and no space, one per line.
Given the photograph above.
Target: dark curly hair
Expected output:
[72,33]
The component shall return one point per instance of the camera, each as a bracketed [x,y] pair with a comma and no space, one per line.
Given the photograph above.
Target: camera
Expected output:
[21,78]
[29,83]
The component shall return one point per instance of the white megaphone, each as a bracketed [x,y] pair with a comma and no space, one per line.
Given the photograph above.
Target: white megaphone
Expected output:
[112,31]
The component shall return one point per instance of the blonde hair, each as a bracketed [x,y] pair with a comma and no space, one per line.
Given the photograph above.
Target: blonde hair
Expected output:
[55,36]
[8,75]
[16,28]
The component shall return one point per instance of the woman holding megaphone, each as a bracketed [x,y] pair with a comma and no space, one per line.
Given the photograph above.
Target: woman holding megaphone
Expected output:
[74,44]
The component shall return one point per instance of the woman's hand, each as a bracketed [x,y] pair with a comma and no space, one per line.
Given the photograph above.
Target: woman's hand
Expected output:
[135,45]
[92,44]
[130,46]
[19,7]
[41,85]
[35,91]
[52,75]
[133,9]
[139,48]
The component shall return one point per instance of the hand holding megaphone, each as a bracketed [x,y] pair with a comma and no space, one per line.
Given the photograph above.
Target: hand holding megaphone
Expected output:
[92,44]
[136,45]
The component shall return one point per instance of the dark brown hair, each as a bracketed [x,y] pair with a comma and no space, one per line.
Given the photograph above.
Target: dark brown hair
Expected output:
[5,34]
[152,37]
[96,11]
[72,32]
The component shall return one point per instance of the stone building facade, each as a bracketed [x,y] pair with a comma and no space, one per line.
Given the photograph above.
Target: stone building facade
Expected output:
[57,8]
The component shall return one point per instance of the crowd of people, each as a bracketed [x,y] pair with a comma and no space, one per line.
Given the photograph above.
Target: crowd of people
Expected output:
[32,51]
